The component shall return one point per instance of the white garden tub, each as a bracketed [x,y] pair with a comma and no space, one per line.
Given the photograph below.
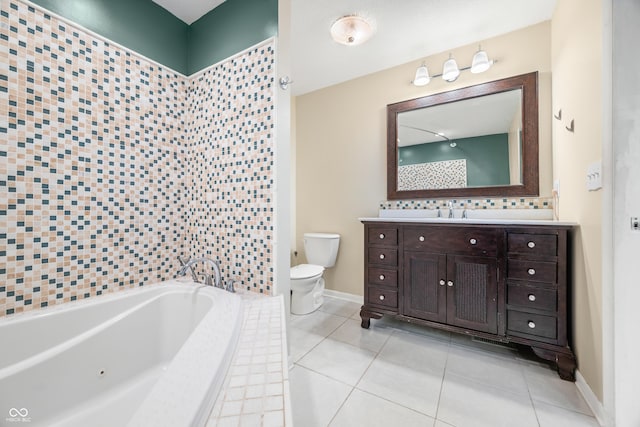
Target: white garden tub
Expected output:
[151,356]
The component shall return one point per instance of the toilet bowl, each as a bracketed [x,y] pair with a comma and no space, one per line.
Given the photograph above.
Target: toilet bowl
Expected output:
[307,287]
[307,283]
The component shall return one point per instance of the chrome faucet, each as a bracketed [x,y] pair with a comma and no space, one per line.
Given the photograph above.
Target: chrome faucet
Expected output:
[450,208]
[183,261]
[217,276]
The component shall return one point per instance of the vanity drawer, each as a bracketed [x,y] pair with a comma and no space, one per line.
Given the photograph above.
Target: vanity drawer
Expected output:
[532,297]
[383,256]
[533,244]
[534,271]
[383,236]
[382,276]
[532,324]
[384,297]
[460,240]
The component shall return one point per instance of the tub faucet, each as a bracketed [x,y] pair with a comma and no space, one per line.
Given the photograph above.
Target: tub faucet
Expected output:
[183,261]
[217,277]
[450,208]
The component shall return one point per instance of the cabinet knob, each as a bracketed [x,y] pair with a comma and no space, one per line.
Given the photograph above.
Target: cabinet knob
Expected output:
[382,235]
[381,256]
[382,277]
[531,245]
[381,297]
[441,282]
[473,241]
[532,297]
[421,238]
[450,283]
[531,324]
[531,272]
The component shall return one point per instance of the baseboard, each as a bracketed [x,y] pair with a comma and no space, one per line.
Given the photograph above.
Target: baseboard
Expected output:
[594,404]
[344,296]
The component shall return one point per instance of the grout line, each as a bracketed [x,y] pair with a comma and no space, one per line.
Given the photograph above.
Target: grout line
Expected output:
[444,373]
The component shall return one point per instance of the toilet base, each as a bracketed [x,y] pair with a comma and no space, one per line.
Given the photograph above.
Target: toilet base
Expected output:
[307,302]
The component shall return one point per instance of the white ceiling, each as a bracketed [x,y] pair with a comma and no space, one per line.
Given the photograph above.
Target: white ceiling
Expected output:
[406,30]
[189,10]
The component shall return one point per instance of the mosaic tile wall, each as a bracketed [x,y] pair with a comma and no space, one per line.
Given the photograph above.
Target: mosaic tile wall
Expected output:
[101,183]
[488,203]
[230,164]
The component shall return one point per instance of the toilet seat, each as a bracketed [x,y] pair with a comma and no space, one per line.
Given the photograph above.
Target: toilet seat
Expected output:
[305,271]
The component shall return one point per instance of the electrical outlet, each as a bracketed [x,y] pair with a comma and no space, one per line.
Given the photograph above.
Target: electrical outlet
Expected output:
[635,223]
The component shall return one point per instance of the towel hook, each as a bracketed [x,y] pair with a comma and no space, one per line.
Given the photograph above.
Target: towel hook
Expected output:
[285,82]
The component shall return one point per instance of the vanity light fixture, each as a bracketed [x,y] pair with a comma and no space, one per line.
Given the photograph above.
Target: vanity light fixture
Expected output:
[450,69]
[351,30]
[422,76]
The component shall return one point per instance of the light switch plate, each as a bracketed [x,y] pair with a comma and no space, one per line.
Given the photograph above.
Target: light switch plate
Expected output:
[594,176]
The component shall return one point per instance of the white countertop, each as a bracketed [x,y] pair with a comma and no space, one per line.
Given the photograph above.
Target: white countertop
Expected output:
[456,221]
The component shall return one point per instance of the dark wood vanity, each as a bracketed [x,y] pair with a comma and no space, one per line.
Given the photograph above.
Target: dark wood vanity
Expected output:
[506,283]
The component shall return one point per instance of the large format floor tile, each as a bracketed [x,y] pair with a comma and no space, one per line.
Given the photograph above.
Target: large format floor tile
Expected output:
[465,403]
[315,398]
[339,361]
[399,374]
[363,409]
[350,332]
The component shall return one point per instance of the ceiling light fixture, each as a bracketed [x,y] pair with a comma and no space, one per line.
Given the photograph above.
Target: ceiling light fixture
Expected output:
[450,69]
[351,30]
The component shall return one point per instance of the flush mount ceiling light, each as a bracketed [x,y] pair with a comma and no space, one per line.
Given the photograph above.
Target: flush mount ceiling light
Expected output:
[451,71]
[351,30]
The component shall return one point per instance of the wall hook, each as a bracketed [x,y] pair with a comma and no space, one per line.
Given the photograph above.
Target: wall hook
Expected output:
[559,116]
[285,82]
[570,127]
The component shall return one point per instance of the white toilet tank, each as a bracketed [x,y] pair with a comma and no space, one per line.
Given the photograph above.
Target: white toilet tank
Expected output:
[321,248]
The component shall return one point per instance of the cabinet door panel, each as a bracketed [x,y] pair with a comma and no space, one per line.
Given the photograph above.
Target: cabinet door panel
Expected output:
[424,295]
[472,293]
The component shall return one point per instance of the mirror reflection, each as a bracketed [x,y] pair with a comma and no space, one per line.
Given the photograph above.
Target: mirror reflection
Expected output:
[475,142]
[479,140]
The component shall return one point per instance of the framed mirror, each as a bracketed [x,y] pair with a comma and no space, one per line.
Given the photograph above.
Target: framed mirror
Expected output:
[476,141]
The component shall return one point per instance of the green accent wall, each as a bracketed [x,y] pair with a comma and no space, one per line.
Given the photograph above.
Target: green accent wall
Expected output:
[139,25]
[152,31]
[487,157]
[230,28]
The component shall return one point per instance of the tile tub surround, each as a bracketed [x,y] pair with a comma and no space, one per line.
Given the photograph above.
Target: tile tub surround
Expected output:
[404,374]
[256,388]
[109,163]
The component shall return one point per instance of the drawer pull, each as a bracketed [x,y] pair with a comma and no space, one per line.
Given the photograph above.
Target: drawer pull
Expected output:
[421,238]
[531,324]
[382,257]
[531,245]
[381,235]
[531,272]
[473,241]
[381,297]
[450,283]
[532,297]
[441,282]
[382,277]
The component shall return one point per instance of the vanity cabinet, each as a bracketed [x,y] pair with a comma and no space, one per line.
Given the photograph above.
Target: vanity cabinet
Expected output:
[506,283]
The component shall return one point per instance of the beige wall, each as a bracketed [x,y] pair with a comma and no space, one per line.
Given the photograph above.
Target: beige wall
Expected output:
[576,46]
[341,141]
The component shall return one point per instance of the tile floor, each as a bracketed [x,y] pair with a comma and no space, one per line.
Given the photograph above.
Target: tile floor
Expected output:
[398,374]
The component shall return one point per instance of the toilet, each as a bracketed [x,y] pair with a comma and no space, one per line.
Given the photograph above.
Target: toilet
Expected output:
[307,283]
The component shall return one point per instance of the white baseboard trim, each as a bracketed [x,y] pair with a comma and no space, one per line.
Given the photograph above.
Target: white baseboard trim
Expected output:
[589,396]
[344,296]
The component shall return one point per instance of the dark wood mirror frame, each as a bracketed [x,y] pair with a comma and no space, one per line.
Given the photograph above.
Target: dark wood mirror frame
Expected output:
[529,187]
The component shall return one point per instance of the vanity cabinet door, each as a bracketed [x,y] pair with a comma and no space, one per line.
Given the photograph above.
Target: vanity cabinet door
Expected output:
[425,290]
[472,293]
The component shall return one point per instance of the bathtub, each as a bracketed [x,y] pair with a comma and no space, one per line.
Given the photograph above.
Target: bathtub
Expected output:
[151,356]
